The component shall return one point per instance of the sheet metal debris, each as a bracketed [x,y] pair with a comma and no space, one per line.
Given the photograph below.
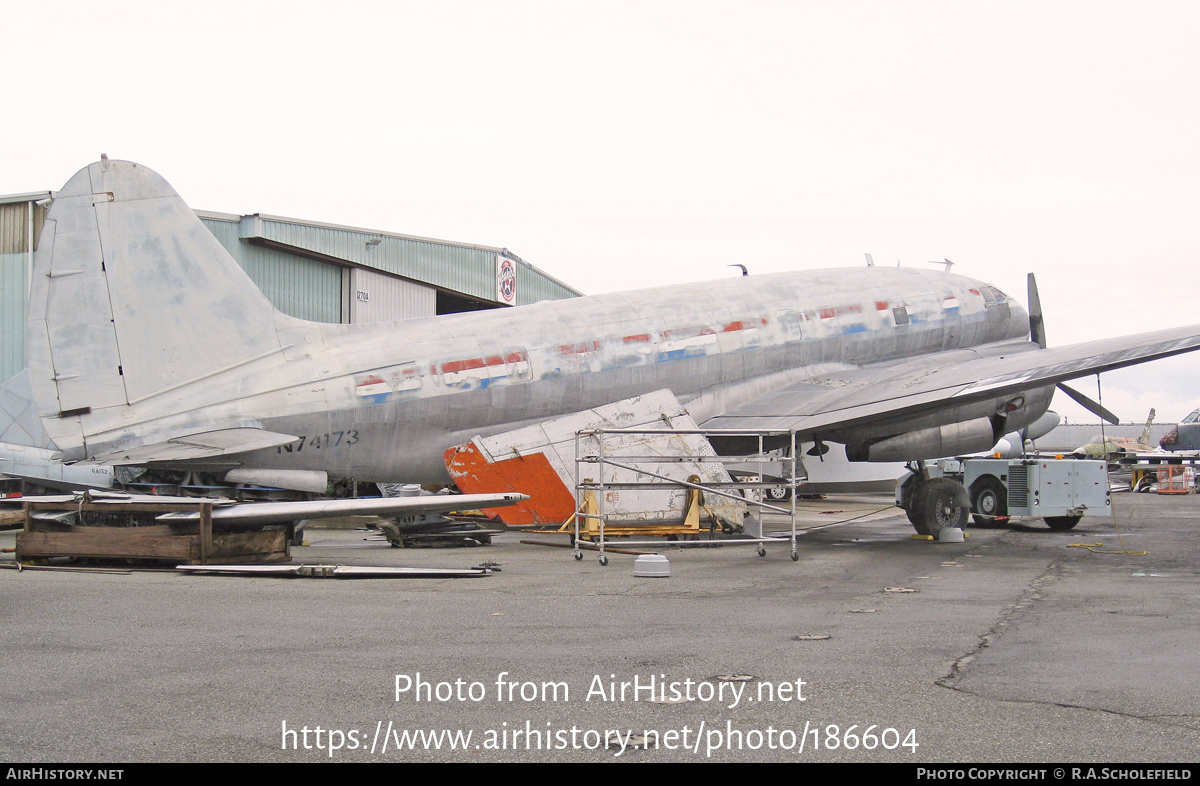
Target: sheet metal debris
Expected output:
[339,571]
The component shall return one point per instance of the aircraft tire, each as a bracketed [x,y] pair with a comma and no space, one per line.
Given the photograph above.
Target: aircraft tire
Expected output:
[911,494]
[1062,523]
[914,518]
[989,499]
[943,504]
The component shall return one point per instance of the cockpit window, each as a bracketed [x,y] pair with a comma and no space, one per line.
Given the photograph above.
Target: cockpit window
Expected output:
[993,295]
[1192,418]
[996,303]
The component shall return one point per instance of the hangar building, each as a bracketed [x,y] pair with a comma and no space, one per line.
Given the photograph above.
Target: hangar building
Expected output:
[320,272]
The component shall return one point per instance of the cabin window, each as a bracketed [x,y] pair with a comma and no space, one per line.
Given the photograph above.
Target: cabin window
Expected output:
[789,324]
[517,360]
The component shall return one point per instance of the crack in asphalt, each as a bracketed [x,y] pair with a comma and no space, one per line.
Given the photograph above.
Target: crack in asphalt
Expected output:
[1034,592]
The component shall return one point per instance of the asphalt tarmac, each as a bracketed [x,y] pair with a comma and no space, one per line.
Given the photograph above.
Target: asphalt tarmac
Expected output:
[1017,645]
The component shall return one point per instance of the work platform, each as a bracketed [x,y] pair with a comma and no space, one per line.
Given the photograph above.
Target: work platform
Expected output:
[629,484]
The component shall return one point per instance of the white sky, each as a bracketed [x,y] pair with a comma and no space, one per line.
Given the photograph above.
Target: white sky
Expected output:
[618,145]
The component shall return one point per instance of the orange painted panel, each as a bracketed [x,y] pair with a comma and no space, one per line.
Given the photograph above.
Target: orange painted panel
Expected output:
[550,502]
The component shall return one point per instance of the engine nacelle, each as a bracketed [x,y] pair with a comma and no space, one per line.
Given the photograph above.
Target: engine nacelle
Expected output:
[969,436]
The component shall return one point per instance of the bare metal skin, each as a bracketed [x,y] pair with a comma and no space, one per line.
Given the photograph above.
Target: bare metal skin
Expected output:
[148,343]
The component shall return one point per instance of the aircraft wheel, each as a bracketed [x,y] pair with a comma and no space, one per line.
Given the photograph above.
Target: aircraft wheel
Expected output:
[795,556]
[578,555]
[943,504]
[912,493]
[779,493]
[989,498]
[762,552]
[603,560]
[914,518]
[1062,523]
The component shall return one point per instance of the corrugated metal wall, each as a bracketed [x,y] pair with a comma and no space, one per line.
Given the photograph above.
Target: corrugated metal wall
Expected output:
[376,297]
[14,221]
[533,286]
[301,287]
[12,227]
[13,294]
[458,268]
[274,251]
[470,270]
[15,215]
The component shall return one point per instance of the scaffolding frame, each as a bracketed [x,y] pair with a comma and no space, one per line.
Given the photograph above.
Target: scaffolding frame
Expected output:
[590,490]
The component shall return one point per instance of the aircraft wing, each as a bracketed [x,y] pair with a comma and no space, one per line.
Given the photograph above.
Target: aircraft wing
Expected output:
[879,393]
[204,445]
[279,512]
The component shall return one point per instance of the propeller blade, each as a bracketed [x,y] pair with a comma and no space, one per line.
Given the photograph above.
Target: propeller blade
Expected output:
[1037,327]
[1088,404]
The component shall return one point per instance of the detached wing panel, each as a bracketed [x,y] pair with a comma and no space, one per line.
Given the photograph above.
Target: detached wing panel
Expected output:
[279,512]
[920,386]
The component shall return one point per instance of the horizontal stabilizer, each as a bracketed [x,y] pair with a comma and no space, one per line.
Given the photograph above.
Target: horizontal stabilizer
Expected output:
[205,445]
[19,420]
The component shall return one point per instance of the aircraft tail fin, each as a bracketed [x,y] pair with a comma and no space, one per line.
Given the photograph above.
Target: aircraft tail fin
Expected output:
[1145,438]
[132,297]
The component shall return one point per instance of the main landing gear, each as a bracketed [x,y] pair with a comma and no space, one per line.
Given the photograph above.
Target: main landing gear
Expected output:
[933,504]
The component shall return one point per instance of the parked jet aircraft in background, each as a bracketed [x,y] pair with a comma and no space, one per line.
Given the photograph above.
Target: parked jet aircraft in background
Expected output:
[148,344]
[1112,448]
[1185,436]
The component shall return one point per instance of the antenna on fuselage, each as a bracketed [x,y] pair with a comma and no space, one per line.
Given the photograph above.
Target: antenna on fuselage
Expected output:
[745,272]
[945,262]
[870,261]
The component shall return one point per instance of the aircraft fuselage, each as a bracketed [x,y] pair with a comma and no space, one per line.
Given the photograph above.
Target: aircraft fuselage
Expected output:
[384,401]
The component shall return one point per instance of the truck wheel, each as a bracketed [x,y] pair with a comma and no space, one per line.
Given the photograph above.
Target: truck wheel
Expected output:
[989,499]
[779,493]
[1062,523]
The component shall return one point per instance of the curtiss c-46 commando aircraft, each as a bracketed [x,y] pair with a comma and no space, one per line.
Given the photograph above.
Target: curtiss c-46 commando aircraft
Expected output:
[148,344]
